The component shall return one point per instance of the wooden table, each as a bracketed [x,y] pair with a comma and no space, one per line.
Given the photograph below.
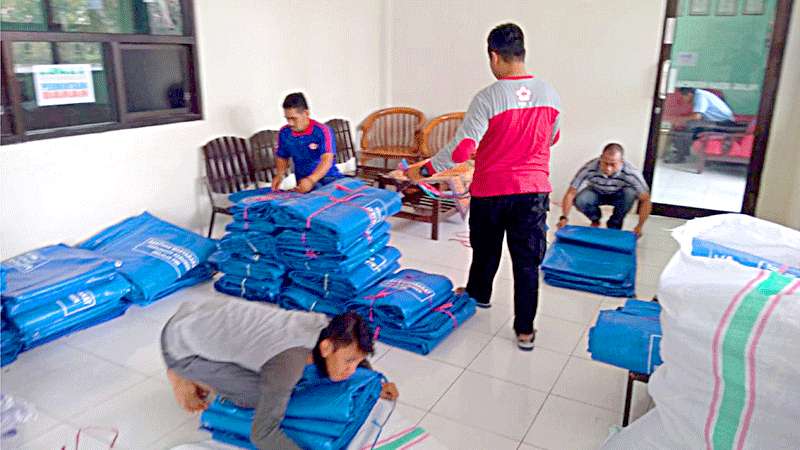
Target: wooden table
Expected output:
[423,208]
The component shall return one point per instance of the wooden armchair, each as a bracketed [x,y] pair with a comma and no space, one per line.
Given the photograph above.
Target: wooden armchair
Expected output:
[391,133]
[439,132]
[228,170]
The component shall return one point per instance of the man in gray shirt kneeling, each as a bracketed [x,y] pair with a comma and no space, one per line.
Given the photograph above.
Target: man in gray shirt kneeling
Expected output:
[253,354]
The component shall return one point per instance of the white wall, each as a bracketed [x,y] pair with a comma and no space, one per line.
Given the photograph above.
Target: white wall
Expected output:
[252,53]
[601,57]
[779,197]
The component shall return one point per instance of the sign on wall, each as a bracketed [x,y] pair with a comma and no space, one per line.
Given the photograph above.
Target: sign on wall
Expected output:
[63,84]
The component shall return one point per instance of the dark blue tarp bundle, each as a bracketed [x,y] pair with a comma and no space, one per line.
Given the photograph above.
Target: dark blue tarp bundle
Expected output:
[628,337]
[313,260]
[326,415]
[344,211]
[342,285]
[248,243]
[597,260]
[44,275]
[228,423]
[249,288]
[294,297]
[254,209]
[254,266]
[413,310]
[10,344]
[157,257]
[56,290]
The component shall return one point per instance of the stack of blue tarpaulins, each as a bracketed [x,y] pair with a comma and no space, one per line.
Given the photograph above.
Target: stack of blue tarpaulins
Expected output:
[413,310]
[597,260]
[248,252]
[335,241]
[628,337]
[158,258]
[326,415]
[228,423]
[321,414]
[10,344]
[53,291]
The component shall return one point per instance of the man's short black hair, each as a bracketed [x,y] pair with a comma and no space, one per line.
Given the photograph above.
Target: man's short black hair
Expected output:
[508,41]
[343,330]
[295,100]
[685,90]
[613,147]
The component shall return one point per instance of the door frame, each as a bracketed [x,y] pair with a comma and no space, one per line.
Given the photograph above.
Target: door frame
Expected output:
[769,91]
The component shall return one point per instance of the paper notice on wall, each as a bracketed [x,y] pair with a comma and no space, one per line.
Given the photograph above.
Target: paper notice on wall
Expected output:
[63,84]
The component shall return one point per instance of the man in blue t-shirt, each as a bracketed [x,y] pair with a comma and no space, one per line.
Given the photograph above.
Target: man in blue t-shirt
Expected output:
[309,144]
[709,113]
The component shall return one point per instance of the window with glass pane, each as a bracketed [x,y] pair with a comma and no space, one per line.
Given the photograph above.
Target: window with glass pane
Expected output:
[22,15]
[27,55]
[5,113]
[155,77]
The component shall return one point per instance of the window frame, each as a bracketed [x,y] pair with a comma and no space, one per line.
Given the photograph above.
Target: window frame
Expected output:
[116,42]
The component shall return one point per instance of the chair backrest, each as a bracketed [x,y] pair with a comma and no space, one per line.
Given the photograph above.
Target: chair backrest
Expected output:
[228,165]
[262,148]
[345,149]
[439,132]
[397,127]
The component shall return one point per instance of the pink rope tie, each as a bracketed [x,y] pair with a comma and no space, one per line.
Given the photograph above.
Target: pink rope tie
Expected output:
[381,294]
[446,310]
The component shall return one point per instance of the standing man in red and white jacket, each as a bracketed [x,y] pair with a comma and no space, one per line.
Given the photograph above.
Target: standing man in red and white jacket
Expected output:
[509,127]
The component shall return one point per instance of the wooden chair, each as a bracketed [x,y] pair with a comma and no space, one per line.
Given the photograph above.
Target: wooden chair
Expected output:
[391,133]
[439,132]
[345,149]
[262,149]
[228,169]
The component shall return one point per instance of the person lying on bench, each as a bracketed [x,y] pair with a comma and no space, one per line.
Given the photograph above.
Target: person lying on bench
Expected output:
[253,354]
[608,180]
[309,144]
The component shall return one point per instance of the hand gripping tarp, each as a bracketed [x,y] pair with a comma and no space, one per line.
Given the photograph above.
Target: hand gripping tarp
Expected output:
[345,285]
[249,288]
[41,276]
[596,260]
[403,298]
[72,312]
[158,257]
[628,337]
[346,210]
[326,415]
[228,423]
[431,329]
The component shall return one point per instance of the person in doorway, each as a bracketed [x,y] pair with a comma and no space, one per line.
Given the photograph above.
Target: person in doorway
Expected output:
[253,355]
[309,144]
[509,126]
[607,180]
[709,113]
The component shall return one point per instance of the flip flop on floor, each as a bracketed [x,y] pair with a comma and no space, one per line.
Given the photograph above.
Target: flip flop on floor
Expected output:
[526,344]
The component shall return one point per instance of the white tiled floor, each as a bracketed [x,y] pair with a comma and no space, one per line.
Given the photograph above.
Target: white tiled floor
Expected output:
[721,186]
[475,391]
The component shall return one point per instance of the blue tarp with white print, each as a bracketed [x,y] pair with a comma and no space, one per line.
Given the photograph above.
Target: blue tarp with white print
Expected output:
[628,337]
[157,257]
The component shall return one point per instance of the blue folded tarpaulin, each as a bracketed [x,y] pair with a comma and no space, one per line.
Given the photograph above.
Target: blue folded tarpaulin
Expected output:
[40,276]
[323,414]
[251,242]
[346,285]
[10,344]
[709,249]
[628,337]
[228,423]
[258,267]
[314,261]
[293,239]
[345,210]
[294,297]
[596,260]
[69,325]
[403,298]
[249,288]
[69,310]
[258,205]
[431,330]
[155,255]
